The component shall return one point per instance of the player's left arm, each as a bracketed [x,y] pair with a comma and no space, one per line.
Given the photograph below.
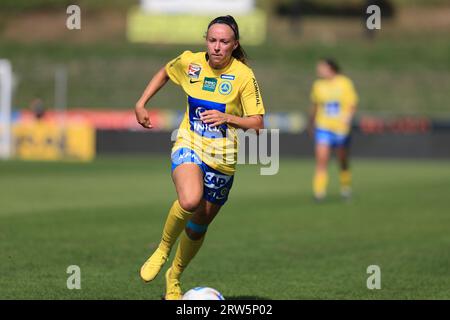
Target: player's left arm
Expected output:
[216,118]
[252,105]
[352,110]
[352,98]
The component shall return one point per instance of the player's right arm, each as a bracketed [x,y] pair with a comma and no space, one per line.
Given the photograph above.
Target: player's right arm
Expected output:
[312,119]
[156,83]
[174,70]
[351,98]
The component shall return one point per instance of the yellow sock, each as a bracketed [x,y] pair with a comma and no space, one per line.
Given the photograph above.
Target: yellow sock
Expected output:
[345,178]
[175,223]
[320,183]
[187,249]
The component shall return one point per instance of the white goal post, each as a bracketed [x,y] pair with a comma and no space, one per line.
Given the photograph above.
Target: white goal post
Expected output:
[5,108]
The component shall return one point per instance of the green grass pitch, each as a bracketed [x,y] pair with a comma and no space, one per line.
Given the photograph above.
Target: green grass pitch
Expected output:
[270,241]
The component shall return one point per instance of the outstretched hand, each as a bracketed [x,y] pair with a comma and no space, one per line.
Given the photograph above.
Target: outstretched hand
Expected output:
[142,117]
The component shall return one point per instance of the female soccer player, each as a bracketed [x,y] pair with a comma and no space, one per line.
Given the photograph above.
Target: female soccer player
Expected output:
[222,96]
[334,104]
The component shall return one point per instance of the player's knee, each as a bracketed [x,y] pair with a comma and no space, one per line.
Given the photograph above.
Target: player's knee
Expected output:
[189,204]
[344,165]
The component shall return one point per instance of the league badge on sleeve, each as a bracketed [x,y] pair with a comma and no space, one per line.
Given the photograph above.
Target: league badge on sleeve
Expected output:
[194,71]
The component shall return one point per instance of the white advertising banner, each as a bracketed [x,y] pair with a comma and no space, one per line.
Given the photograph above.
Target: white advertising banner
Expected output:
[198,7]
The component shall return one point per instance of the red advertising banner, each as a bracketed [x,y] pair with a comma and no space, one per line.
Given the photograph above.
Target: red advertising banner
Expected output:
[111,119]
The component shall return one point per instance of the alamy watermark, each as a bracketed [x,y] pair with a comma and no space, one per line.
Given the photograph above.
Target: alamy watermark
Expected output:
[74,280]
[374,280]
[73,21]
[373,22]
[234,147]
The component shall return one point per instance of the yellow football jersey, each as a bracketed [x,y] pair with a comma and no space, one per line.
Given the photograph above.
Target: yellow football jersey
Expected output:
[334,99]
[233,90]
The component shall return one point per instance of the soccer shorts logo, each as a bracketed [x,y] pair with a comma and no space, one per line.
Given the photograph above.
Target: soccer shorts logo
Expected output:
[215,181]
[184,155]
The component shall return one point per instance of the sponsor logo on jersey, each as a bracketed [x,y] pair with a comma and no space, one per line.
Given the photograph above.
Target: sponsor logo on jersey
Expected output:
[227,76]
[198,106]
[258,97]
[225,87]
[332,108]
[198,112]
[194,71]
[209,84]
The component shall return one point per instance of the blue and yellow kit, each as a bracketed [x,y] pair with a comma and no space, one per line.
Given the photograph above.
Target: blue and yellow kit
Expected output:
[335,100]
[232,90]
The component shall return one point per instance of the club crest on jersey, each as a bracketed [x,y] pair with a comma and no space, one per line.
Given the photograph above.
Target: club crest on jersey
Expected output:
[194,71]
[225,87]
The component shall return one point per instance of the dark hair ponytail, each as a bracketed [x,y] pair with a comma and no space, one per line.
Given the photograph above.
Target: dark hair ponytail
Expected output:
[239,52]
[332,64]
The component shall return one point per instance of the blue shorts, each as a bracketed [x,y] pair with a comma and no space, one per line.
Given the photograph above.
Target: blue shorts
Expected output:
[216,185]
[331,139]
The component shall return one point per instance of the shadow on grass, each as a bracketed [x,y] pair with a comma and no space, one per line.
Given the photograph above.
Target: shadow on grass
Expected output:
[246,298]
[239,298]
[331,200]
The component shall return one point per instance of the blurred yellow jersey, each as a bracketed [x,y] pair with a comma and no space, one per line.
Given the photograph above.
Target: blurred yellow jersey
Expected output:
[334,99]
[233,90]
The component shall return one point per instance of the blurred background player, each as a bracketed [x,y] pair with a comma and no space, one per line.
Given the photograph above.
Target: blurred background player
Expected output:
[334,101]
[222,95]
[37,108]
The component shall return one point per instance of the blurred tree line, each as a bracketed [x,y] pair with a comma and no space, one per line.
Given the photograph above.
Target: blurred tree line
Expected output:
[14,6]
[345,8]
[295,10]
[309,7]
